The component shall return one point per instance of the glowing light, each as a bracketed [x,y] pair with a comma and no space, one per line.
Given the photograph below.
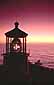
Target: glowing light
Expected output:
[16,47]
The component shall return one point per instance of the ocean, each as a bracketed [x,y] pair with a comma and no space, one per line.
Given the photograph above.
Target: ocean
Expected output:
[39,51]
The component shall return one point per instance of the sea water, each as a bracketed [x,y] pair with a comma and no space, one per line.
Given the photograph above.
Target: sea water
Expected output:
[43,52]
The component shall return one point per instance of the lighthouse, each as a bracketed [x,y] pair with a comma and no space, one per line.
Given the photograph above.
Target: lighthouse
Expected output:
[16,55]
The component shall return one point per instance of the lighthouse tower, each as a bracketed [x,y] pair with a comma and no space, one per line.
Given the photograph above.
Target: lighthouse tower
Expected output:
[16,55]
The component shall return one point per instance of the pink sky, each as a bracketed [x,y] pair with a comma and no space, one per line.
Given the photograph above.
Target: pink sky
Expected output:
[36,17]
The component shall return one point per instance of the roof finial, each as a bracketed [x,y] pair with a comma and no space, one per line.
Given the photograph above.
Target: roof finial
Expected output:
[16,24]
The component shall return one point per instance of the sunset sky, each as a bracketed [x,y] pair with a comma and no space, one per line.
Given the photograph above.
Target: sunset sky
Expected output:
[36,17]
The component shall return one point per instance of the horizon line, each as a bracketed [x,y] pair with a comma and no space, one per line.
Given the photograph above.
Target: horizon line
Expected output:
[36,43]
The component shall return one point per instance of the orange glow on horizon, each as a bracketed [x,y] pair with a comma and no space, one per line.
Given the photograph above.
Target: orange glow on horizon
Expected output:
[2,39]
[33,39]
[40,39]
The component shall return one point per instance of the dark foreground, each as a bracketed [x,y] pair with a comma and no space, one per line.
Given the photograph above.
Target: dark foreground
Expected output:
[37,75]
[42,75]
